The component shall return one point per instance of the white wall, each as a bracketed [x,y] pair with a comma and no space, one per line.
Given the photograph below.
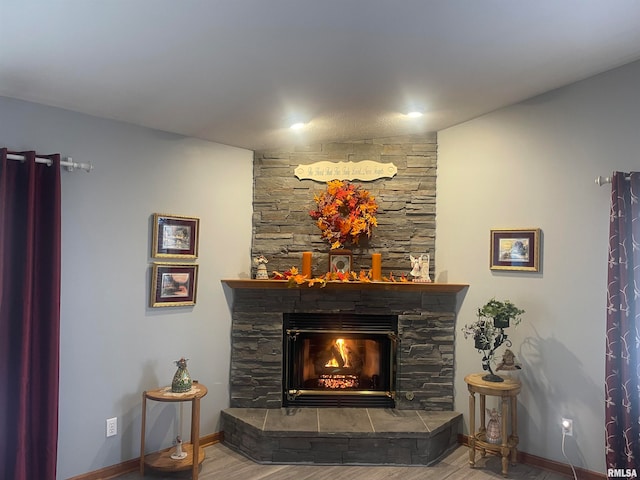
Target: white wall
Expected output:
[113,346]
[533,165]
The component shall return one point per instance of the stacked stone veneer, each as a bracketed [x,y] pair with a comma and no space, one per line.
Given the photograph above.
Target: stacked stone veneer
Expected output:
[425,355]
[282,227]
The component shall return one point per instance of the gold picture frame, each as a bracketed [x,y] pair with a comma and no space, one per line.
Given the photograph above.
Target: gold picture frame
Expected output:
[173,284]
[515,249]
[175,236]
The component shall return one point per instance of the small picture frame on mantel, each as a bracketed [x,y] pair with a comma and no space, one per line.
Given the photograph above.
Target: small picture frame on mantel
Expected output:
[340,261]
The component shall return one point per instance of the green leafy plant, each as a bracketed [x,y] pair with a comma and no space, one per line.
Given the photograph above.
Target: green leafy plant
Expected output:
[488,331]
[502,312]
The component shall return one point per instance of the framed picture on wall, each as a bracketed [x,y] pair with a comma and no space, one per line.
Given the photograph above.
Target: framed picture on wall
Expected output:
[173,284]
[515,249]
[175,236]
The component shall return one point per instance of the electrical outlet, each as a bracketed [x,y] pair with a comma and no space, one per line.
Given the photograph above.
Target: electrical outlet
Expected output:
[112,426]
[567,426]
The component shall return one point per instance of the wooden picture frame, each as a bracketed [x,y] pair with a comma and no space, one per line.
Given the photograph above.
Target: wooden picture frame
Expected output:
[515,249]
[173,284]
[340,261]
[175,236]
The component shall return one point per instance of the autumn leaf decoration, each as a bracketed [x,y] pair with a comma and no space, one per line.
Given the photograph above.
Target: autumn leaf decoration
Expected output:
[295,279]
[344,213]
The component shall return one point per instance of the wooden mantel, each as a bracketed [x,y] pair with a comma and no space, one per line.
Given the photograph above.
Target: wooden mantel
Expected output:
[371,286]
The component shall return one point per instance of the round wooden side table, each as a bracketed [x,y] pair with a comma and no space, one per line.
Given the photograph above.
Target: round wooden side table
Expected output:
[508,393]
[195,453]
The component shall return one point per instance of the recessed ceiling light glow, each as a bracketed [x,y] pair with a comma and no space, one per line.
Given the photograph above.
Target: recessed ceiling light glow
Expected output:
[414,114]
[297,126]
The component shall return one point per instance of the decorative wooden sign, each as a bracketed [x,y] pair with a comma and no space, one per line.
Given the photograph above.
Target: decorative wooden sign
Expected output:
[366,171]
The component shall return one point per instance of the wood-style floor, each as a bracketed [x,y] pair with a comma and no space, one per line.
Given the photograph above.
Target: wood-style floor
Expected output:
[221,463]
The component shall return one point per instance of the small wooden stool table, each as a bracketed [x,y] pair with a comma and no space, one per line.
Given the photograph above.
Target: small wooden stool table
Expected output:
[195,453]
[508,392]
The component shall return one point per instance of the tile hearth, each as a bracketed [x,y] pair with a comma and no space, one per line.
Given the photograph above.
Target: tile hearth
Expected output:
[345,436]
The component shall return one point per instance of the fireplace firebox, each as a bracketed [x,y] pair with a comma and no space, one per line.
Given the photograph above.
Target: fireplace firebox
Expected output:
[339,360]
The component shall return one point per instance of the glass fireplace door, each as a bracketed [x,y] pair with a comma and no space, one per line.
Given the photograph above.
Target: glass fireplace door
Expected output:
[339,367]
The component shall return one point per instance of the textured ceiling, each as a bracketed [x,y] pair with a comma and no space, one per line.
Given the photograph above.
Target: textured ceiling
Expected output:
[239,72]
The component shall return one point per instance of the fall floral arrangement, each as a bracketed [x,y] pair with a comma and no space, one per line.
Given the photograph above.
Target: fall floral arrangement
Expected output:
[345,213]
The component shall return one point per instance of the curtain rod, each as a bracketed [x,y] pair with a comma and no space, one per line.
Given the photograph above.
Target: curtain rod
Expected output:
[600,180]
[68,163]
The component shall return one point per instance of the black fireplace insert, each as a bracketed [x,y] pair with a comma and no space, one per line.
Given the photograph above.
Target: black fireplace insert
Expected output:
[339,360]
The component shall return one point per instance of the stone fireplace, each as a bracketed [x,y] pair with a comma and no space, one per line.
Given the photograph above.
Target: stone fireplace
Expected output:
[414,397]
[425,354]
[327,394]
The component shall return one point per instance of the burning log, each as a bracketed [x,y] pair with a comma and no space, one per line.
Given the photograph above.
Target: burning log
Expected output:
[338,382]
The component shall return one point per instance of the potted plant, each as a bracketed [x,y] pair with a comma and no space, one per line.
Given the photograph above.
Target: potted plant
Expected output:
[500,312]
[488,331]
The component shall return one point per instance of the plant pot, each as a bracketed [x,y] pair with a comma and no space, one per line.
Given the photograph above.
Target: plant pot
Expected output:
[501,322]
[481,344]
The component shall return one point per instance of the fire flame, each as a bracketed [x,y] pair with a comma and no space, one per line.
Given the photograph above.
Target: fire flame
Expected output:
[344,355]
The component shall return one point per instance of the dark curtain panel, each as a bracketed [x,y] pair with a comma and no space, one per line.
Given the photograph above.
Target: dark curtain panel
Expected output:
[622,403]
[29,317]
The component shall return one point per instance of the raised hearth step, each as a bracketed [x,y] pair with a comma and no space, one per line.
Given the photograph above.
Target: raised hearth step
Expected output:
[344,436]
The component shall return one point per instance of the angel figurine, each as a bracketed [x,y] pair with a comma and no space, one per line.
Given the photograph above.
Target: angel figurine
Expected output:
[261,272]
[420,268]
[179,454]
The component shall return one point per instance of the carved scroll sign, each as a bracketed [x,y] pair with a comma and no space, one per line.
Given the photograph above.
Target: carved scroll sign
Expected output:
[366,171]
